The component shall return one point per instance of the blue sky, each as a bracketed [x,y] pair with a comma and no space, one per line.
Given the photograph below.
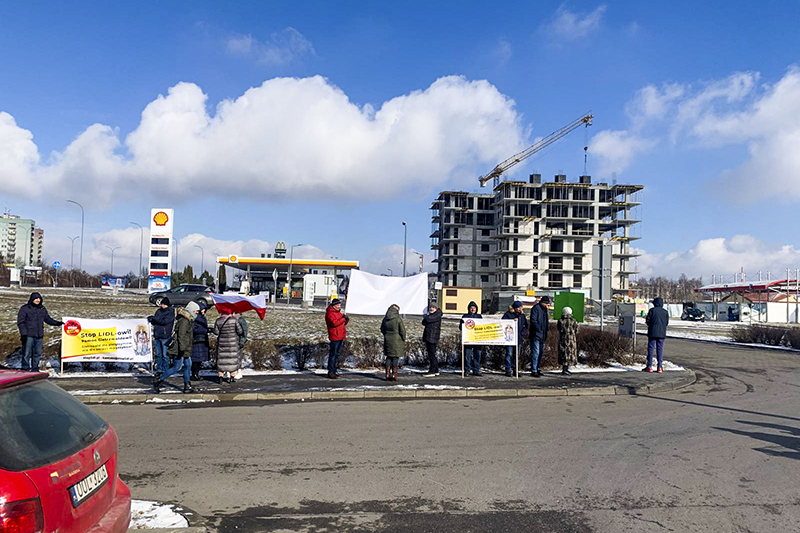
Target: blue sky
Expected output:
[329,123]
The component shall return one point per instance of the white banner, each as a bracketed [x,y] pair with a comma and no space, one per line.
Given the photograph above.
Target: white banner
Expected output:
[369,294]
[123,341]
[486,331]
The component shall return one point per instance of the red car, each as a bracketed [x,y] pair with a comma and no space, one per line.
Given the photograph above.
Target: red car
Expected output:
[58,462]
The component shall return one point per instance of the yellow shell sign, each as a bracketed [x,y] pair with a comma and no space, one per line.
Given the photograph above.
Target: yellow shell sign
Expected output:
[233,259]
[161,218]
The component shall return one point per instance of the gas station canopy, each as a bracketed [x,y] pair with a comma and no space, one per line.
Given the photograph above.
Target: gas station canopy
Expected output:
[281,264]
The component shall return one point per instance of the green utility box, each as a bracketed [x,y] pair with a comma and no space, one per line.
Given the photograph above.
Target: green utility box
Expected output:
[573,300]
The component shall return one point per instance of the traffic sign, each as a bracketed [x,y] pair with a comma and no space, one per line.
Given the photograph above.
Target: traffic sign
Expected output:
[56,264]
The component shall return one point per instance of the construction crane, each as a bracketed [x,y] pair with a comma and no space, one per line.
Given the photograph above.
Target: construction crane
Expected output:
[585,120]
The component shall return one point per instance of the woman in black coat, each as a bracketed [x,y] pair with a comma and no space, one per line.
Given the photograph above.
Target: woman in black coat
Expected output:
[199,342]
[433,330]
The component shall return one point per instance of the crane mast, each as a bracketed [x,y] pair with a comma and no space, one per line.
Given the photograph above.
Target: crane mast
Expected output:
[585,120]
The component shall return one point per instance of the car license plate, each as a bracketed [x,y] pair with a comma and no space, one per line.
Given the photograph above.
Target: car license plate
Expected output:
[88,485]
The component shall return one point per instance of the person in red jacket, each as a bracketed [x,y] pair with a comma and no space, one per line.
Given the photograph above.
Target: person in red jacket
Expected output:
[337,331]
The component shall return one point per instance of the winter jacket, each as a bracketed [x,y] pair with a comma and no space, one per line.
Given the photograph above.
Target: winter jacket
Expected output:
[469,315]
[657,319]
[522,323]
[227,329]
[200,339]
[394,333]
[540,322]
[433,327]
[31,318]
[337,324]
[184,335]
[567,341]
[243,335]
[163,320]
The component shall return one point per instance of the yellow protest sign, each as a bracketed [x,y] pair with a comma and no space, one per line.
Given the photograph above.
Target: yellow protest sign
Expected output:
[488,331]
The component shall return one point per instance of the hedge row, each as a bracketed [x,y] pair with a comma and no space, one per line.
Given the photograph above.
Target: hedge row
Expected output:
[770,335]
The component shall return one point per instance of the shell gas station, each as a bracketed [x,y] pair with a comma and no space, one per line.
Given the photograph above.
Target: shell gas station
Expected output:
[310,278]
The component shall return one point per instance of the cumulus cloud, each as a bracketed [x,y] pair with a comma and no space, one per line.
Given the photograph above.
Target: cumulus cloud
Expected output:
[722,257]
[281,48]
[287,138]
[734,110]
[389,260]
[568,25]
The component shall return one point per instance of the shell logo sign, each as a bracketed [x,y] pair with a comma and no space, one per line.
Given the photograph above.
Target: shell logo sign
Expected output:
[161,218]
[233,259]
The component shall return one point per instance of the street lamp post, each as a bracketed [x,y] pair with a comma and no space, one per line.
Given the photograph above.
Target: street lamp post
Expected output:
[405,242]
[216,270]
[289,275]
[391,272]
[141,247]
[202,258]
[421,260]
[72,251]
[80,260]
[112,257]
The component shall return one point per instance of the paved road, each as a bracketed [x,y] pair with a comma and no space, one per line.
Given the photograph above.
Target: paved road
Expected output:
[721,455]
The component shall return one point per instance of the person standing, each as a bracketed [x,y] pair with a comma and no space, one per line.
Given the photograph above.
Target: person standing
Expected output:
[227,329]
[472,353]
[567,340]
[430,336]
[242,340]
[515,313]
[181,349]
[163,321]
[657,319]
[337,332]
[30,322]
[199,342]
[394,340]
[540,324]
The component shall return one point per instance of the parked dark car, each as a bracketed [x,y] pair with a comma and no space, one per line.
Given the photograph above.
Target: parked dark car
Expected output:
[183,294]
[691,312]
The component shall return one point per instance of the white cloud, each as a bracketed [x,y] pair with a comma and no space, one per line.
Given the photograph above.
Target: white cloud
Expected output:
[390,257]
[281,48]
[289,137]
[723,257]
[569,26]
[503,52]
[616,149]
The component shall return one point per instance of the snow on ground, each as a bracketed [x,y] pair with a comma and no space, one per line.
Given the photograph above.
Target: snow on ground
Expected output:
[154,515]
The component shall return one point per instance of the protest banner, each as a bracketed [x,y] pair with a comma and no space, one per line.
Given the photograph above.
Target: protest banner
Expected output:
[489,332]
[368,294]
[107,340]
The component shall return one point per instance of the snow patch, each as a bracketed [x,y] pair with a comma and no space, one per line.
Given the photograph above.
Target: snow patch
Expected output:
[154,515]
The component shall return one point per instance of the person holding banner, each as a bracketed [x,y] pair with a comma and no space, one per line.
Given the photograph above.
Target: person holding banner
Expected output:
[336,323]
[515,313]
[472,354]
[567,340]
[394,340]
[30,322]
[163,320]
[181,349]
[430,336]
[540,324]
[199,342]
[227,329]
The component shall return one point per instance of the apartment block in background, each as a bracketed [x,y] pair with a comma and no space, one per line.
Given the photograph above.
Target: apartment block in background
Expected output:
[21,242]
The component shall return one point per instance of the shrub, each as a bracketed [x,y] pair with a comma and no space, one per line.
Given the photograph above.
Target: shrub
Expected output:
[742,334]
[793,337]
[599,348]
[9,346]
[367,352]
[263,354]
[416,353]
[761,334]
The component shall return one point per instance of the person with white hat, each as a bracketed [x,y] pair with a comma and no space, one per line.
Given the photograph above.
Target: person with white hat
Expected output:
[567,340]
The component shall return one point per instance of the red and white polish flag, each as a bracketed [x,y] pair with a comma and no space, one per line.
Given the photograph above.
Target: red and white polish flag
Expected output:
[238,303]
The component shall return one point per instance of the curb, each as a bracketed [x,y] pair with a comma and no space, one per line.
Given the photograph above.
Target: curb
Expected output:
[173,530]
[685,380]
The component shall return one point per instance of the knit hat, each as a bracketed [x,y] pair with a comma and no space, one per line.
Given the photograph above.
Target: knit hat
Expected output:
[566,311]
[517,304]
[192,307]
[164,301]
[335,301]
[546,300]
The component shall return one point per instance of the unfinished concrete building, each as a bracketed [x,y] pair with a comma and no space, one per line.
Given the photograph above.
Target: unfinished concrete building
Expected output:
[534,236]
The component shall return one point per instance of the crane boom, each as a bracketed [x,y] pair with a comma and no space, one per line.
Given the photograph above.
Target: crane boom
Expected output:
[585,120]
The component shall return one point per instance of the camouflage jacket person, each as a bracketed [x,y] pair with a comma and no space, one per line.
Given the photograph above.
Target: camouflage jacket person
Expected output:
[567,340]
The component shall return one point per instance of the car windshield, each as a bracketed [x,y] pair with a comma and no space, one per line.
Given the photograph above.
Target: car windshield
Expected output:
[42,424]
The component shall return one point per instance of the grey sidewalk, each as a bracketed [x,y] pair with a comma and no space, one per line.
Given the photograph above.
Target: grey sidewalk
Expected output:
[370,385]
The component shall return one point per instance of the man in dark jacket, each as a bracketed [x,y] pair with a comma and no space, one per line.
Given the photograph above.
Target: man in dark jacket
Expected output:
[30,321]
[540,324]
[515,313]
[472,354]
[163,321]
[657,319]
[336,323]
[433,330]
[181,350]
